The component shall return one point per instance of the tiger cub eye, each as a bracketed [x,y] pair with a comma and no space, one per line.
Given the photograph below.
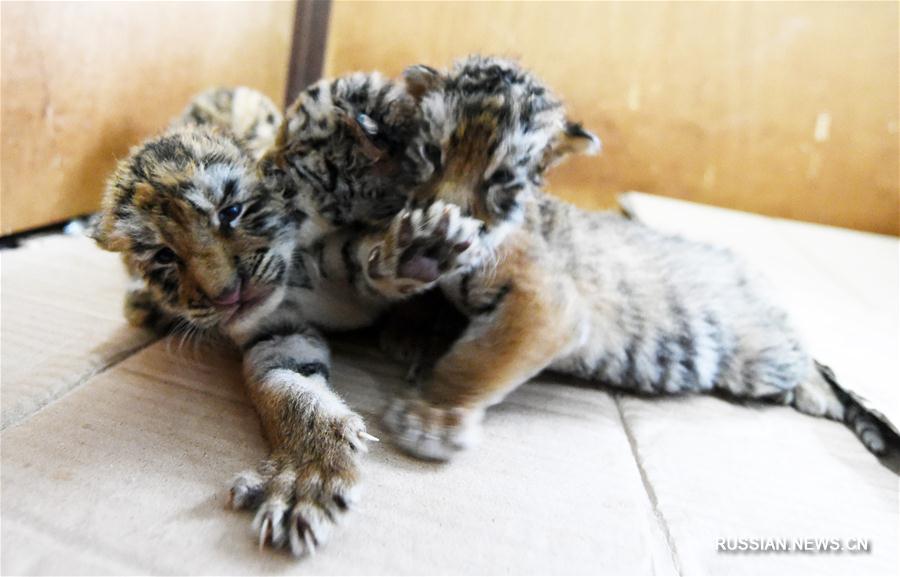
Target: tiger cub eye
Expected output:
[501,177]
[229,213]
[165,255]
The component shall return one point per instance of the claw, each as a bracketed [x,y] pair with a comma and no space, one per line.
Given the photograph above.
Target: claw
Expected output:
[404,236]
[265,532]
[310,542]
[358,447]
[302,535]
[299,509]
[368,437]
[443,225]
[373,264]
[462,246]
[340,502]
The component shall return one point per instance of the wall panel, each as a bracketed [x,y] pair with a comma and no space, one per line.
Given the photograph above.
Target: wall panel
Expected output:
[781,108]
[83,81]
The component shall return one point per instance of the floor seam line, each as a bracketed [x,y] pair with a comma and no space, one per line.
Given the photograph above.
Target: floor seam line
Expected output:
[113,361]
[648,488]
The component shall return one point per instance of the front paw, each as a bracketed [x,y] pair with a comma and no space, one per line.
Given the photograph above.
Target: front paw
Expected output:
[422,245]
[431,432]
[141,310]
[300,494]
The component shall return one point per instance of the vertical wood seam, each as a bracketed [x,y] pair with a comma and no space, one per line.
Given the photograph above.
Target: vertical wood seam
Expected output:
[308,46]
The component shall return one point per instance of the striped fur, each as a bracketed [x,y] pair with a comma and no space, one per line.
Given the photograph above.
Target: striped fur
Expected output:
[247,114]
[345,153]
[589,294]
[162,211]
[220,244]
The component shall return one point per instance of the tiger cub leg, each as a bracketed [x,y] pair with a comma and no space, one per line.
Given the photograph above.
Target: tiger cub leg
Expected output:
[404,263]
[312,476]
[142,310]
[419,331]
[516,329]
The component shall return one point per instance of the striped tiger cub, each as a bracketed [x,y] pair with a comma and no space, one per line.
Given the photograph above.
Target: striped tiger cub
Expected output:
[246,113]
[268,252]
[586,293]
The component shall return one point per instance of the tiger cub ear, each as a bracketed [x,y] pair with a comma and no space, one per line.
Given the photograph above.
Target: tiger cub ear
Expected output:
[92,230]
[421,79]
[110,227]
[270,166]
[573,139]
[103,230]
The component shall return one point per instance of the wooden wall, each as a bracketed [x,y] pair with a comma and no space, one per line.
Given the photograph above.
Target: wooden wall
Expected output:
[782,108]
[81,82]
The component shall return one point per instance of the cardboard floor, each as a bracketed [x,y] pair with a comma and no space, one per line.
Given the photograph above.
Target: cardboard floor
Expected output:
[118,447]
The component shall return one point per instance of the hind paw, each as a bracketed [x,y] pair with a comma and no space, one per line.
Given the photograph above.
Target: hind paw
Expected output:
[431,432]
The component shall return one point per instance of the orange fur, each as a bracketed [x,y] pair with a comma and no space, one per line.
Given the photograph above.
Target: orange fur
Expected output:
[520,339]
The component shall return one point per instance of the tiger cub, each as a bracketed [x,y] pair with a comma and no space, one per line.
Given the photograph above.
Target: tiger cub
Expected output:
[248,114]
[586,293]
[267,254]
[251,121]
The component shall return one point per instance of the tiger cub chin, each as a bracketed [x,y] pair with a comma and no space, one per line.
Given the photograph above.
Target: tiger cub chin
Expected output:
[586,293]
[265,253]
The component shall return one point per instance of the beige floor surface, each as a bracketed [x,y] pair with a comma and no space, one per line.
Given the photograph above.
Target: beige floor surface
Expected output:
[117,449]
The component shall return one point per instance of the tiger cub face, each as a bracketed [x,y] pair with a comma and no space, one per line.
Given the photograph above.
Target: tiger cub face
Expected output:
[490,130]
[345,153]
[192,219]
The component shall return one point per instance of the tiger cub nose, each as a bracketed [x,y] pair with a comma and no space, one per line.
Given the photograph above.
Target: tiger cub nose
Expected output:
[228,297]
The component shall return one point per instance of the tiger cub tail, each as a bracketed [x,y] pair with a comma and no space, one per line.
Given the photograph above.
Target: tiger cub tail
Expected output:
[875,431]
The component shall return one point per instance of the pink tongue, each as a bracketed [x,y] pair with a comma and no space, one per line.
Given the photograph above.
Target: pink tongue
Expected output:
[420,268]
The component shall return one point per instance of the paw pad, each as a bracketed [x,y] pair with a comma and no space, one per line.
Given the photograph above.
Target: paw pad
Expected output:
[422,245]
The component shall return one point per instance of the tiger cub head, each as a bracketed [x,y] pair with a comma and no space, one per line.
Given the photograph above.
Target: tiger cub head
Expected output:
[248,114]
[490,130]
[192,219]
[345,153]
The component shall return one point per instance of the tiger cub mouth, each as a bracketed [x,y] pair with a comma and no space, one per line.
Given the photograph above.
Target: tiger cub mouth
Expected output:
[246,302]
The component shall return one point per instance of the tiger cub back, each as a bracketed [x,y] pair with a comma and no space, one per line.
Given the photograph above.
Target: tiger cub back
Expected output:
[590,294]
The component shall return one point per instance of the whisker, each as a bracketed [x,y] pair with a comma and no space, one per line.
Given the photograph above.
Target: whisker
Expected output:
[183,337]
[179,326]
